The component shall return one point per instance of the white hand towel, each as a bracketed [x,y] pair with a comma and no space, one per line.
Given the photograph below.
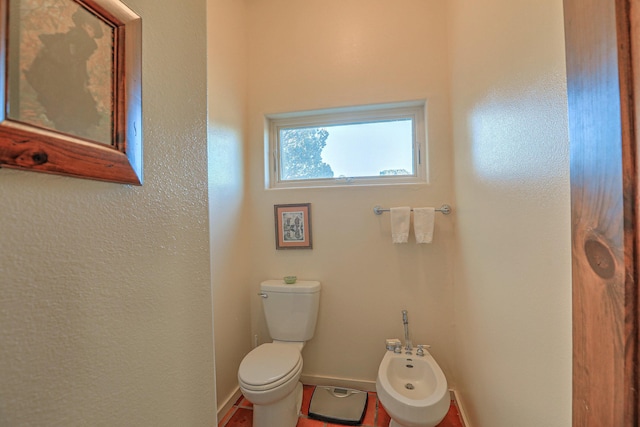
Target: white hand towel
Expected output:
[423,221]
[400,219]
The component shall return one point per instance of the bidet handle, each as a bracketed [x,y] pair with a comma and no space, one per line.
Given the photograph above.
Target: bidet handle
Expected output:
[421,347]
[391,343]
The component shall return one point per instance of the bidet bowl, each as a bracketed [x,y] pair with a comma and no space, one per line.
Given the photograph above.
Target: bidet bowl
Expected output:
[412,389]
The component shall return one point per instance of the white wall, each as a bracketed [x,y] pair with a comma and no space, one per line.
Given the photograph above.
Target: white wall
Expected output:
[105,303]
[512,273]
[105,296]
[227,70]
[320,54]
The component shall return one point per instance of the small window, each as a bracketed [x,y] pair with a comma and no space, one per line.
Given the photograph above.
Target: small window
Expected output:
[372,145]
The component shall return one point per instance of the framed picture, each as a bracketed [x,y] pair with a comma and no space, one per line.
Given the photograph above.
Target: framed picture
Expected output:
[293,226]
[71,88]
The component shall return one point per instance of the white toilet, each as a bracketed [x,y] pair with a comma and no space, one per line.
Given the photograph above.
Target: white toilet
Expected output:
[269,375]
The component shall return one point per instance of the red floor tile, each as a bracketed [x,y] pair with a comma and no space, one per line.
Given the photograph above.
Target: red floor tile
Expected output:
[244,403]
[226,417]
[370,414]
[307,392]
[241,418]
[241,415]
[383,419]
[308,422]
[452,419]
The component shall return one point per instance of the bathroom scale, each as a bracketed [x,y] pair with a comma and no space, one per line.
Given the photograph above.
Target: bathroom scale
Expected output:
[338,405]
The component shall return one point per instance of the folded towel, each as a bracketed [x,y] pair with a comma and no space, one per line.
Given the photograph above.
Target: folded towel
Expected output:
[423,219]
[400,219]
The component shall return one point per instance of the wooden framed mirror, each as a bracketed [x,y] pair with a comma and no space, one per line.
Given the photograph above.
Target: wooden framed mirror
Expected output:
[71,92]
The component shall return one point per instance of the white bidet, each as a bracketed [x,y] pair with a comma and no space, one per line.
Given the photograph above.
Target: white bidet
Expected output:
[412,389]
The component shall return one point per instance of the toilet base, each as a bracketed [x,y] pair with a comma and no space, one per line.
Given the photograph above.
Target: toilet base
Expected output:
[283,413]
[394,423]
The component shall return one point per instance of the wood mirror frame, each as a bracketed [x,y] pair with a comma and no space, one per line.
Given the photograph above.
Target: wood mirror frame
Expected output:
[29,147]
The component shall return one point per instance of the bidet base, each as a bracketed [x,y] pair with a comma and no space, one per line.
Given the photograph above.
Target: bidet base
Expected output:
[394,423]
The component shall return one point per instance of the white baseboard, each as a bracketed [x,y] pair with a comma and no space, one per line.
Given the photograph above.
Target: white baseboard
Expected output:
[458,403]
[233,398]
[338,382]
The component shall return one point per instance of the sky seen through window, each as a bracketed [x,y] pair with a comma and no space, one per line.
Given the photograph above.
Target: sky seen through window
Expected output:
[366,149]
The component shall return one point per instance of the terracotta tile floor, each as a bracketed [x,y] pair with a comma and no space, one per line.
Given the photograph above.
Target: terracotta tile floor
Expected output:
[241,415]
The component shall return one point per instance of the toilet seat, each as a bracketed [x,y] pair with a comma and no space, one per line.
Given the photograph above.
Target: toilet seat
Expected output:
[268,366]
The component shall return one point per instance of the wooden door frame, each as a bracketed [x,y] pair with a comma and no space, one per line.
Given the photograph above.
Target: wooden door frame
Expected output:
[603,85]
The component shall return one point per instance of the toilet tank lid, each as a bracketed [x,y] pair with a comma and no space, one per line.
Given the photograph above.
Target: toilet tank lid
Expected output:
[301,286]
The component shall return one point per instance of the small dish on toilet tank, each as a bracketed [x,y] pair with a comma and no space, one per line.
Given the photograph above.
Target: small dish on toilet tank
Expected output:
[290,280]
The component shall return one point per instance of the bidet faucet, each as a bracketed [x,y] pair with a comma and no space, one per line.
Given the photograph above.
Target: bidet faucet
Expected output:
[407,341]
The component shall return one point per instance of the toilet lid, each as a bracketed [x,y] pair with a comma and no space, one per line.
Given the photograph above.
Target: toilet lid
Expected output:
[268,363]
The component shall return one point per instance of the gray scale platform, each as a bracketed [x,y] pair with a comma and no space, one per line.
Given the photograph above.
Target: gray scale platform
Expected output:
[338,405]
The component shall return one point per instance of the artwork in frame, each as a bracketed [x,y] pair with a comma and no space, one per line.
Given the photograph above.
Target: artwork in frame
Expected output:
[71,88]
[293,226]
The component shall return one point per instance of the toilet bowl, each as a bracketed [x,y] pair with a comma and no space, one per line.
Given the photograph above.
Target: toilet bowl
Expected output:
[269,378]
[269,375]
[412,389]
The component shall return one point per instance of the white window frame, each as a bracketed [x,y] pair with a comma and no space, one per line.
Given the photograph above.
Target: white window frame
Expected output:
[414,110]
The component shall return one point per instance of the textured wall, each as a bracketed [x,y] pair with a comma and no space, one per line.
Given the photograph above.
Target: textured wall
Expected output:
[105,301]
[512,275]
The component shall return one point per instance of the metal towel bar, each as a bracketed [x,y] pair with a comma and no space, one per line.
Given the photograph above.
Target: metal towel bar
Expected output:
[444,209]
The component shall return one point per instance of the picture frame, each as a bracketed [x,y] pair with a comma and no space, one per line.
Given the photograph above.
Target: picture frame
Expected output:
[293,226]
[71,89]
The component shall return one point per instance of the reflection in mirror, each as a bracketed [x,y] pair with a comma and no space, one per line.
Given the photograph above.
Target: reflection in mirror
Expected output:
[60,75]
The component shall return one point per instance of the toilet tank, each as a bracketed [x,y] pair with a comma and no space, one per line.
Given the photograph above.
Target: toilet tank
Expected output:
[291,310]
